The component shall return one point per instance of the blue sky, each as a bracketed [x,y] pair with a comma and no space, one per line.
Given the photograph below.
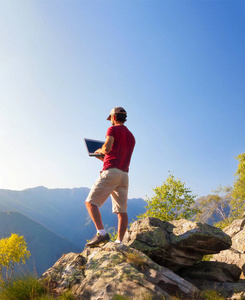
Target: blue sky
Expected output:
[177,67]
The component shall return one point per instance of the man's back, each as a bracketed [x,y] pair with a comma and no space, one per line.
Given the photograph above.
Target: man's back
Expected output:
[120,155]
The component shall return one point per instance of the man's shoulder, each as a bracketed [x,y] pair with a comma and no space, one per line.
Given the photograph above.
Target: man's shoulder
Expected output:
[110,129]
[118,129]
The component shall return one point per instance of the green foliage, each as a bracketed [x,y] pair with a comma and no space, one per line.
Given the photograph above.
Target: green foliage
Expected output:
[238,202]
[171,201]
[113,235]
[119,297]
[212,295]
[207,257]
[67,296]
[204,295]
[224,223]
[12,250]
[30,288]
[26,288]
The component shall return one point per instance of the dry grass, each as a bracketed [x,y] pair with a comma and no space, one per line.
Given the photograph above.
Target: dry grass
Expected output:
[137,260]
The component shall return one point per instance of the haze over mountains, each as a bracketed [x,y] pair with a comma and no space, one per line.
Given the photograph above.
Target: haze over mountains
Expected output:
[45,246]
[54,221]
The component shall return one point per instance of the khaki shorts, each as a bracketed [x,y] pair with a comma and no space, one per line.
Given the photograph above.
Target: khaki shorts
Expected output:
[112,182]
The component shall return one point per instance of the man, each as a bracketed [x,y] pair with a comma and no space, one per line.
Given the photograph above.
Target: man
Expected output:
[113,180]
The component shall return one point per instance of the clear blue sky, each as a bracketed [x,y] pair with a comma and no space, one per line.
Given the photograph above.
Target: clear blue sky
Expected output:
[177,67]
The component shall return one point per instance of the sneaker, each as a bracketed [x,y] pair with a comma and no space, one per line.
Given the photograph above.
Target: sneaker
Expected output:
[97,239]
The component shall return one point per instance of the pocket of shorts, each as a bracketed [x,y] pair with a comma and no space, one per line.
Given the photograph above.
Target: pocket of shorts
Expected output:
[111,177]
[103,174]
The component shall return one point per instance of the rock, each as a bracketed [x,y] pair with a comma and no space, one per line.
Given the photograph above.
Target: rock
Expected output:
[235,227]
[175,244]
[236,254]
[114,269]
[211,270]
[230,291]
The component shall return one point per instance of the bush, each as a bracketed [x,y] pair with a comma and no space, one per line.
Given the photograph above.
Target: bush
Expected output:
[30,288]
[171,201]
[27,288]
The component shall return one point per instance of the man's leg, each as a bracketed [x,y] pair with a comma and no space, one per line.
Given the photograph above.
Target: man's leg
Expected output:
[95,215]
[122,225]
[101,236]
[100,191]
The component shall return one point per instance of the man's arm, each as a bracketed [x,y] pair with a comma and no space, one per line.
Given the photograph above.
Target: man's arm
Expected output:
[106,148]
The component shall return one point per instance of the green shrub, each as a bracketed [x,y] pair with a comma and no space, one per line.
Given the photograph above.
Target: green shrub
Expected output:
[207,257]
[212,295]
[46,297]
[113,234]
[27,288]
[67,296]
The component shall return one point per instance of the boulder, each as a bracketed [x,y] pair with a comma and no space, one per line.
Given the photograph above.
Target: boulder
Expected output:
[227,290]
[211,270]
[236,254]
[175,244]
[113,270]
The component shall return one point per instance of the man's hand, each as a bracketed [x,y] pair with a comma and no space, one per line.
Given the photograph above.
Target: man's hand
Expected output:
[100,152]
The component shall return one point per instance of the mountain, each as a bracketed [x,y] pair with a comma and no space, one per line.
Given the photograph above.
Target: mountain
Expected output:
[45,246]
[63,211]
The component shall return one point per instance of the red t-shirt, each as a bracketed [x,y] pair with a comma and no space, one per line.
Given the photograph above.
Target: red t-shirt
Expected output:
[120,155]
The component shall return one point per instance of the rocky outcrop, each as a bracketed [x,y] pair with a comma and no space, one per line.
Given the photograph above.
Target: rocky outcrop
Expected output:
[211,270]
[103,273]
[158,260]
[175,244]
[236,253]
[228,290]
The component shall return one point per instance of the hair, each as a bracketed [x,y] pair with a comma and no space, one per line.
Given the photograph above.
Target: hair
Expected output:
[121,117]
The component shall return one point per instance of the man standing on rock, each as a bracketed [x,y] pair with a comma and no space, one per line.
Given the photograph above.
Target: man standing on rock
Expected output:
[113,180]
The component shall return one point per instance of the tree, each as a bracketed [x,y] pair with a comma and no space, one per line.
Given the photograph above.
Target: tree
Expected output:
[171,201]
[12,250]
[216,205]
[238,201]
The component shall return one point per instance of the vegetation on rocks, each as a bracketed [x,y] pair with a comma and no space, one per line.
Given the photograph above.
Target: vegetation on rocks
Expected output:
[170,246]
[30,288]
[226,203]
[171,201]
[238,201]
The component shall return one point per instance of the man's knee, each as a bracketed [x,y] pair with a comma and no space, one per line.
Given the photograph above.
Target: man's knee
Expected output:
[122,216]
[90,205]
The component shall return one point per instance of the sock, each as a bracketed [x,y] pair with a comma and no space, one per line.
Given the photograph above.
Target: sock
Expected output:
[101,231]
[118,242]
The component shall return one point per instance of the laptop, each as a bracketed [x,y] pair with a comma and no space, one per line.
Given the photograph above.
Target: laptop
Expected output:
[93,145]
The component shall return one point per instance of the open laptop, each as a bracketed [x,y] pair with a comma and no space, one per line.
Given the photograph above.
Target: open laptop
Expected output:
[93,145]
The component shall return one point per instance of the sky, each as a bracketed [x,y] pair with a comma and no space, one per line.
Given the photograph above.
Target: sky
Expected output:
[177,67]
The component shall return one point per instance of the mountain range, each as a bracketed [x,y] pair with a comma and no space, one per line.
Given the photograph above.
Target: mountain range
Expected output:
[54,221]
[45,246]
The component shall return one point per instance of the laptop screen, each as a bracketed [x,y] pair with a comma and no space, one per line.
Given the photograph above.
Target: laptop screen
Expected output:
[93,145]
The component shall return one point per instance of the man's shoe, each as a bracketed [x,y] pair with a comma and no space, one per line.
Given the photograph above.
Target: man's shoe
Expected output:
[97,239]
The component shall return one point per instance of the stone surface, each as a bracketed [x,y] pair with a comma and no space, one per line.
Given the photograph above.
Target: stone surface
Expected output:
[175,244]
[211,270]
[103,273]
[236,254]
[230,291]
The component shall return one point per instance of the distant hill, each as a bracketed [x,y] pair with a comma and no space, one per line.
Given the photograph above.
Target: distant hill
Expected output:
[211,217]
[45,246]
[63,211]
